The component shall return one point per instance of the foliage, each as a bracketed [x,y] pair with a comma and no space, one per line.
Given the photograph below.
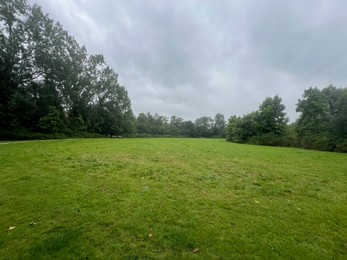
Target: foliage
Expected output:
[204,126]
[188,128]
[265,126]
[323,120]
[322,124]
[290,137]
[52,122]
[156,125]
[49,82]
[219,125]
[271,118]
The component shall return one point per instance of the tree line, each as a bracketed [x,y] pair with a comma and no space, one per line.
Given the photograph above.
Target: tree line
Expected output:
[51,87]
[156,125]
[322,123]
[50,84]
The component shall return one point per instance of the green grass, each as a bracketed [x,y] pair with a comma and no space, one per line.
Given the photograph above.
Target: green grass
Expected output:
[163,198]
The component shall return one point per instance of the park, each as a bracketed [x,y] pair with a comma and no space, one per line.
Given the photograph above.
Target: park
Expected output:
[170,198]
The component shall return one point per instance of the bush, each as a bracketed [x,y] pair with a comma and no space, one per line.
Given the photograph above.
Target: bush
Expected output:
[266,139]
[52,122]
[342,146]
[23,134]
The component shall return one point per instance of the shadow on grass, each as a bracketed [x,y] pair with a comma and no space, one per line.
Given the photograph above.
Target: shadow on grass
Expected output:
[55,241]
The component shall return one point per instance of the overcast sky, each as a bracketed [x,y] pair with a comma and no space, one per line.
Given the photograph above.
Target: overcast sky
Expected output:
[198,58]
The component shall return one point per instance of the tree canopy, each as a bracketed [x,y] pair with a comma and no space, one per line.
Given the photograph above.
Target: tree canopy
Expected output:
[323,118]
[49,83]
[156,125]
[264,126]
[322,123]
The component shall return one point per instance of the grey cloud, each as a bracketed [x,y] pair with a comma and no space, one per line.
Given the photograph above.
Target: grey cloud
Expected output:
[307,39]
[195,58]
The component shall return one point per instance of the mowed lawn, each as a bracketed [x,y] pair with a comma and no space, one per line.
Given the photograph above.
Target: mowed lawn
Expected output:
[170,199]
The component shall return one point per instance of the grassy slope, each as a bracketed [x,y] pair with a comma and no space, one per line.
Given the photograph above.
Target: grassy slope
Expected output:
[161,198]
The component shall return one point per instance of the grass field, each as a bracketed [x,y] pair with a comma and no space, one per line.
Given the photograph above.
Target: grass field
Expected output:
[170,199]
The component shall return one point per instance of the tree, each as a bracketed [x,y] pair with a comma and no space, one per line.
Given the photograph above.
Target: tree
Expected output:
[142,124]
[204,126]
[271,122]
[340,123]
[188,129]
[13,61]
[176,121]
[242,129]
[219,125]
[322,122]
[313,123]
[111,104]
[234,130]
[52,122]
[45,72]
[265,126]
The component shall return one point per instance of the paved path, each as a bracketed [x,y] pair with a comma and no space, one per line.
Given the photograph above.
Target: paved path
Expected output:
[30,141]
[16,142]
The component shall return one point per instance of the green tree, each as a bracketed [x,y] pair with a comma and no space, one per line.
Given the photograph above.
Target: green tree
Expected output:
[176,121]
[188,129]
[265,126]
[142,124]
[313,123]
[322,122]
[242,129]
[272,119]
[112,106]
[340,123]
[270,122]
[41,66]
[219,125]
[15,105]
[234,130]
[52,123]
[204,126]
